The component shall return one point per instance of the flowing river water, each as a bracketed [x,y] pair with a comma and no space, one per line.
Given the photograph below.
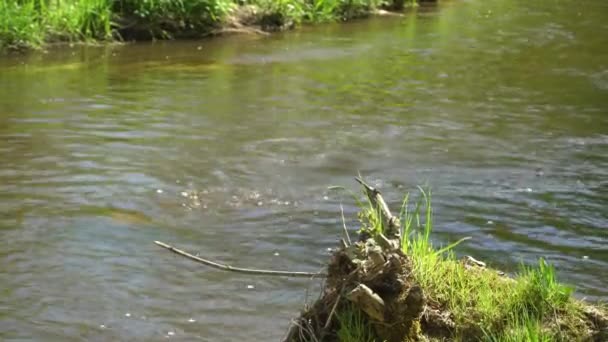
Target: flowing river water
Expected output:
[227,147]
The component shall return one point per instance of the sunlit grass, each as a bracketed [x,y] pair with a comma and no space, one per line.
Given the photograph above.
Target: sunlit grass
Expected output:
[19,24]
[526,329]
[30,23]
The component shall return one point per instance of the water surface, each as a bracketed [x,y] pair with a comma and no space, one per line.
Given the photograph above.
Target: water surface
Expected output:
[226,148]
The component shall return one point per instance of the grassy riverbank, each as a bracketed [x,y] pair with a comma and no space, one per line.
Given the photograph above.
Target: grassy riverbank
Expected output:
[33,23]
[463,299]
[529,306]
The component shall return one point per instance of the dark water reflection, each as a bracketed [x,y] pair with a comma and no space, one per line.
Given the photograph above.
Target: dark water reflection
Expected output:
[227,147]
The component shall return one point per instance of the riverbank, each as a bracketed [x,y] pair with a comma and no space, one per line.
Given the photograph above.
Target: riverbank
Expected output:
[30,24]
[394,285]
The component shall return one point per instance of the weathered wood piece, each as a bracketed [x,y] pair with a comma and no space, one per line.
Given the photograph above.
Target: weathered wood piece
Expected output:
[371,303]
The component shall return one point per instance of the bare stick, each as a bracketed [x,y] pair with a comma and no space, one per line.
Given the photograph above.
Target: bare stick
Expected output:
[238,269]
[344,225]
[333,311]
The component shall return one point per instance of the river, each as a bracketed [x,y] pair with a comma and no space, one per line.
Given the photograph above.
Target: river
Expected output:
[227,147]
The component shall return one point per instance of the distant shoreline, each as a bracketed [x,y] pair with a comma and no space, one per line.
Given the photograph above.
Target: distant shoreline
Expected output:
[35,24]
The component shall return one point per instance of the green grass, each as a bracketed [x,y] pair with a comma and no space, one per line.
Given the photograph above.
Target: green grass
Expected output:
[353,326]
[532,306]
[526,328]
[30,23]
[169,18]
[33,23]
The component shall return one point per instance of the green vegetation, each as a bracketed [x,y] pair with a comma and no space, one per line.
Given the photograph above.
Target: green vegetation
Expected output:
[353,326]
[32,23]
[473,302]
[482,301]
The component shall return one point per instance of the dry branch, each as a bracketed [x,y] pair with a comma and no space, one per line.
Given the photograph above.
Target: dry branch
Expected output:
[224,267]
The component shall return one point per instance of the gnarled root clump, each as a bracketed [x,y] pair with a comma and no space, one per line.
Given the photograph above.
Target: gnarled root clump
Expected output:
[376,280]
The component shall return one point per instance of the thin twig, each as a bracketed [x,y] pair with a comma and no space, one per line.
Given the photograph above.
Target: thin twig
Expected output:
[238,269]
[294,328]
[344,225]
[333,311]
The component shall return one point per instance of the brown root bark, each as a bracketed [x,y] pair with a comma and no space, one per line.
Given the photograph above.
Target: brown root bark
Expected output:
[374,276]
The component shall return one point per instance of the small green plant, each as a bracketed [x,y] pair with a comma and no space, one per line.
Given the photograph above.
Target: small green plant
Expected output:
[79,20]
[354,327]
[522,328]
[538,292]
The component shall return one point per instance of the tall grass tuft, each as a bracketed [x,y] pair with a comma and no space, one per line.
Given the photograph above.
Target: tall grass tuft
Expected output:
[20,24]
[525,328]
[539,290]
[354,327]
[79,20]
